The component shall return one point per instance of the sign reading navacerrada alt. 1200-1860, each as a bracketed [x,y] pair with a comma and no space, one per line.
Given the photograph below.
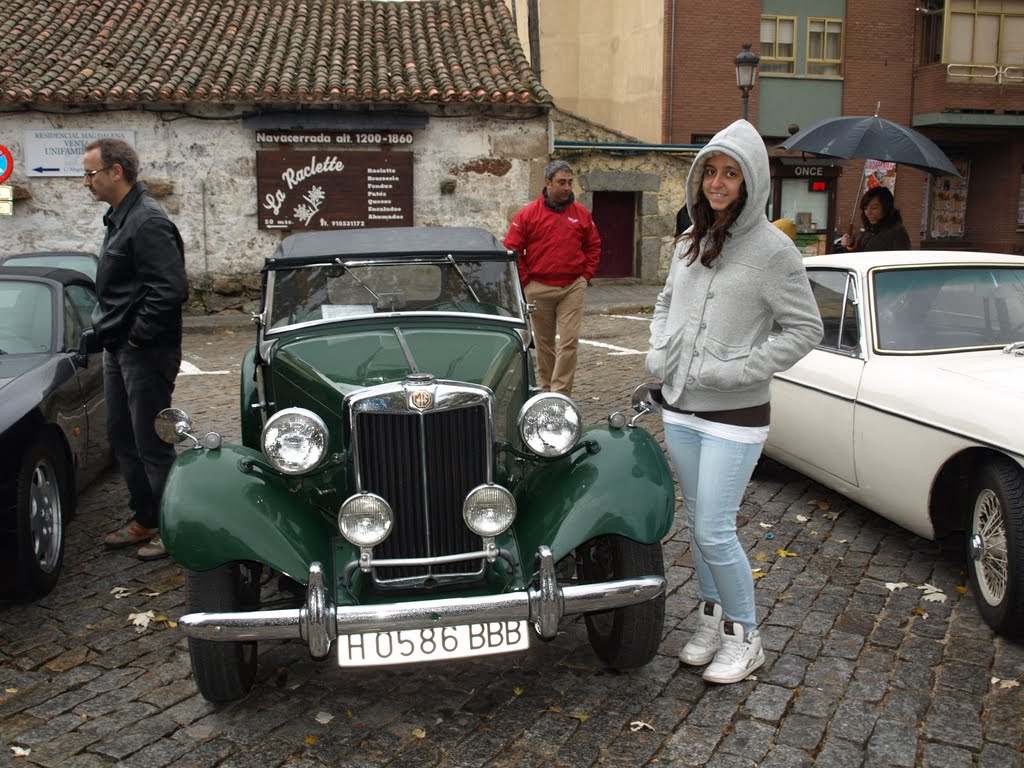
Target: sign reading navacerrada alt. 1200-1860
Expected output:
[333,180]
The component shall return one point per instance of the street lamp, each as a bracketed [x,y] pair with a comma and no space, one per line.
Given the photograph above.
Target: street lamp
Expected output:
[746,73]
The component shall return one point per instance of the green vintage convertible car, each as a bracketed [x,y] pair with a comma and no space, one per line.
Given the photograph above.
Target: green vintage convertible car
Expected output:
[413,493]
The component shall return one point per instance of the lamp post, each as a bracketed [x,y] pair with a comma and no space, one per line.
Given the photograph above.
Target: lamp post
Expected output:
[746,73]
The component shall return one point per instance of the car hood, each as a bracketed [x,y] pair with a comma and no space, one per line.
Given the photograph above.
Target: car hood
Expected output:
[319,368]
[14,366]
[978,394]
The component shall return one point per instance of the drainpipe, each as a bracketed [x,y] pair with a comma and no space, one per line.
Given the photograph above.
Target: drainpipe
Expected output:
[671,71]
[533,25]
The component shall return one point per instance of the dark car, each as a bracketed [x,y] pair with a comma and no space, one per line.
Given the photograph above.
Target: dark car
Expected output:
[421,497]
[84,262]
[52,418]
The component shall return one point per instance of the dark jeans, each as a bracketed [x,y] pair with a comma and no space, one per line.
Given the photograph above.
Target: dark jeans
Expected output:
[138,384]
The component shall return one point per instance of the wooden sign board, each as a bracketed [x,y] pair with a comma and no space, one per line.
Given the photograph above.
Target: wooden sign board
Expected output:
[321,187]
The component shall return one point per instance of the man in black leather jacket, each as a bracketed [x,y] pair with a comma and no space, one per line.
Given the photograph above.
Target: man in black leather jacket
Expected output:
[142,285]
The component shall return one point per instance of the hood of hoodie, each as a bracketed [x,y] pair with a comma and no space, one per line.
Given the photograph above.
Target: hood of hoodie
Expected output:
[744,144]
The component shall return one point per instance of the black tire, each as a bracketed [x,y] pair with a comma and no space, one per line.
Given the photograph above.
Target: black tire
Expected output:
[995,546]
[223,670]
[43,506]
[623,638]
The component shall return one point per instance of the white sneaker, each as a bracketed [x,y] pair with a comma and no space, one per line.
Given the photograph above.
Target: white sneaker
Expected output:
[706,640]
[739,655]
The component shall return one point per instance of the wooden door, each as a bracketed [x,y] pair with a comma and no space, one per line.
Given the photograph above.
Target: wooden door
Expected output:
[615,217]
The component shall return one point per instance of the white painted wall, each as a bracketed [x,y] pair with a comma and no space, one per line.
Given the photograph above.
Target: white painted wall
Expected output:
[211,167]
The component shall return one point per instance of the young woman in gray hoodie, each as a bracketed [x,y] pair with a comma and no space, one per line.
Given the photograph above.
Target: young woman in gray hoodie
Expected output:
[736,309]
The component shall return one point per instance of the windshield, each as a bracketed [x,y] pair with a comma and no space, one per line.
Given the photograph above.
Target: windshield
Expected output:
[26,318]
[350,289]
[948,309]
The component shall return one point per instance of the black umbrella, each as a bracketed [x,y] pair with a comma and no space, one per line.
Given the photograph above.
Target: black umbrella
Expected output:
[872,138]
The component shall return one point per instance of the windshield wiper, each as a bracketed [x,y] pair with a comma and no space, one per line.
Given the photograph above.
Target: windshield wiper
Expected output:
[1016,348]
[361,283]
[465,282]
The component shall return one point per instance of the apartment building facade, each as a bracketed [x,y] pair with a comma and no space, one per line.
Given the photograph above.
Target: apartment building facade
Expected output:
[951,69]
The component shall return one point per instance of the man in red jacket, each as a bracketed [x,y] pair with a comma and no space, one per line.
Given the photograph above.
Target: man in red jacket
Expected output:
[559,248]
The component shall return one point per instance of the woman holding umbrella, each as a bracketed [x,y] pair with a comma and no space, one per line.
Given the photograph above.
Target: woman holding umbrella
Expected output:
[882,225]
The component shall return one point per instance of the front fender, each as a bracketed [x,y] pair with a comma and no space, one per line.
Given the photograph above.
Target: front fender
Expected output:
[624,488]
[213,513]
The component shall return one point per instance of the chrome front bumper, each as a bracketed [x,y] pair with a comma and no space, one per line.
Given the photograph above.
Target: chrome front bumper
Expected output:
[319,623]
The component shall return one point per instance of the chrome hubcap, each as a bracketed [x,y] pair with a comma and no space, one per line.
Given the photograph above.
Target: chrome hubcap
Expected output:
[45,521]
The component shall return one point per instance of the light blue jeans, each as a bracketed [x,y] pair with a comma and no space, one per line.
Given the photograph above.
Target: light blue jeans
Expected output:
[713,474]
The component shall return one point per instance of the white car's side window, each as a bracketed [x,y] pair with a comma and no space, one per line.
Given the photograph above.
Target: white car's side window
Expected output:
[834,291]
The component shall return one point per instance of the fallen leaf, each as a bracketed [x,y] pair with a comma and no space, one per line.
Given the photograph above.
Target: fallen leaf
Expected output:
[921,612]
[893,586]
[580,716]
[784,596]
[785,553]
[119,592]
[802,518]
[639,725]
[822,505]
[1005,683]
[761,557]
[20,751]
[763,525]
[934,597]
[517,691]
[10,690]
[324,717]
[961,590]
[141,620]
[419,733]
[310,740]
[757,573]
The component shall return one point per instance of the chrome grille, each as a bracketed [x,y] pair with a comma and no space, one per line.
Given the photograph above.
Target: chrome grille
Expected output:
[424,464]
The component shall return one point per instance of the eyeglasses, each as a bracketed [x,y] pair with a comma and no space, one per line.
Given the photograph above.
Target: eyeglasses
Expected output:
[90,174]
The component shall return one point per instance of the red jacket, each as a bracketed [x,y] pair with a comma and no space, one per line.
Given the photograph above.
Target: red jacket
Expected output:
[554,247]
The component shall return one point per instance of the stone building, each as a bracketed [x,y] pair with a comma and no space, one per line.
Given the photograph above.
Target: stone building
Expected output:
[257,118]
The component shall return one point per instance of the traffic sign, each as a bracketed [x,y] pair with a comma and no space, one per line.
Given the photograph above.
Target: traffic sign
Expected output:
[59,153]
[6,163]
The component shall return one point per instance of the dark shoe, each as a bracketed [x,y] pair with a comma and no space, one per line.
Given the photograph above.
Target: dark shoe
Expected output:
[154,550]
[132,533]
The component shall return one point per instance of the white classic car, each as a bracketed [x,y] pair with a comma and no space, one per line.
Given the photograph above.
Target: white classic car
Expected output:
[912,405]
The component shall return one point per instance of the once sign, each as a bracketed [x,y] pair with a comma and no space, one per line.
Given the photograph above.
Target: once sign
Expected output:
[59,153]
[323,188]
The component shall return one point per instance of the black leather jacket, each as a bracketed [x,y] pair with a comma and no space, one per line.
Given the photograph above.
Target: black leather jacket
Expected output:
[141,281]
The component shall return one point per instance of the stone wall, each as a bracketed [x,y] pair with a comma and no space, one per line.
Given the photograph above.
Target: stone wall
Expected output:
[468,171]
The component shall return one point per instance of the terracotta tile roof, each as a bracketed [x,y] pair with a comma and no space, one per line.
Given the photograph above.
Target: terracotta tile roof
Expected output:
[310,51]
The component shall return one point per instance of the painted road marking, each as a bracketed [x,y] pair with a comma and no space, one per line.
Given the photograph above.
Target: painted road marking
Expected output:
[187,369]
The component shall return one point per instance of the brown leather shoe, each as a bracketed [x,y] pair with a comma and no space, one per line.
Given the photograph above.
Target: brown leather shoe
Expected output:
[130,534]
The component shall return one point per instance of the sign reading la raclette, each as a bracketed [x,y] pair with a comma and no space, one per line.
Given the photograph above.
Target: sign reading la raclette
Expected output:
[310,180]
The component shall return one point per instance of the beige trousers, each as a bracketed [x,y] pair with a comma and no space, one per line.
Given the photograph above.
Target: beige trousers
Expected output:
[556,311]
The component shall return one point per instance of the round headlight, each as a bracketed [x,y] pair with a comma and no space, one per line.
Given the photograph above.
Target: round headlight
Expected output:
[488,510]
[295,441]
[549,424]
[365,519]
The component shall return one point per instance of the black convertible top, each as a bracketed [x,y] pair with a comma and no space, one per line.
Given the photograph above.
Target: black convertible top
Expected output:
[387,242]
[60,274]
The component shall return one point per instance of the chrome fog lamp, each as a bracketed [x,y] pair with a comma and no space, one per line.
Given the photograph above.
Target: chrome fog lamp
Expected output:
[294,441]
[550,424]
[365,519]
[489,510]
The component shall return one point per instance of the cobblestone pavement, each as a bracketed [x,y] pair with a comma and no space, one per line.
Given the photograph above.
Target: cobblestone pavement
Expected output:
[856,674]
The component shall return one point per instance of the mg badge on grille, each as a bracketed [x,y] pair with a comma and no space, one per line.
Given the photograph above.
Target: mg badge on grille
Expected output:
[421,399]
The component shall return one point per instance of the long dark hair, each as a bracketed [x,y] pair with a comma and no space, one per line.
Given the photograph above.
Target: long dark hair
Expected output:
[716,228]
[890,215]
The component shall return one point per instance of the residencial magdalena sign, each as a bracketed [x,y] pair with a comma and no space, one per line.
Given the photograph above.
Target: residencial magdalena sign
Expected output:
[328,180]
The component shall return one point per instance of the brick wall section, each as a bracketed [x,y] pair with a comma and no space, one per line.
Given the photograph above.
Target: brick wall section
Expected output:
[878,69]
[704,97]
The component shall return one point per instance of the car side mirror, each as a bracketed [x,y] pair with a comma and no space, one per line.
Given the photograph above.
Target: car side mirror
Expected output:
[646,399]
[88,344]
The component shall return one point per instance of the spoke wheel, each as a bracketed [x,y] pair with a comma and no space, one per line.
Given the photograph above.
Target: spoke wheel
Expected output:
[224,670]
[995,546]
[623,638]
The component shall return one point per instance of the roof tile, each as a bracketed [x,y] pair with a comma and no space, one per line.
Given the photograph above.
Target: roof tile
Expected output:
[311,51]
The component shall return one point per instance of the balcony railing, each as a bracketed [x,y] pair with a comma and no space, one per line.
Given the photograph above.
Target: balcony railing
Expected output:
[990,73]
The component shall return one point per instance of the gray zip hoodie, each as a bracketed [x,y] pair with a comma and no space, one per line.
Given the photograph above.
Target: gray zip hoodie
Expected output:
[710,343]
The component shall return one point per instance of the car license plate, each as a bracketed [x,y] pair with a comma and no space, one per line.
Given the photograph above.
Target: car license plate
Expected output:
[405,646]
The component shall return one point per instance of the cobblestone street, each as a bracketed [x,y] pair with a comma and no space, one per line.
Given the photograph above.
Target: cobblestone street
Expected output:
[858,673]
